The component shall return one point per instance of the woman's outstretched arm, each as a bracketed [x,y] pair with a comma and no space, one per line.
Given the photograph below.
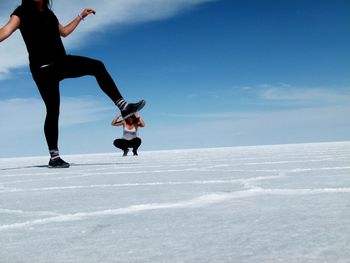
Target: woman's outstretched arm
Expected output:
[68,29]
[11,26]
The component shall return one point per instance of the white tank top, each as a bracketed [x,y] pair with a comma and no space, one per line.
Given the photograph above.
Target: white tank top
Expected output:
[129,134]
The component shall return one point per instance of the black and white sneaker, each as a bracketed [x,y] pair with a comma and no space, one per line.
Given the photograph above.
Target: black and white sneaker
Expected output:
[58,163]
[131,108]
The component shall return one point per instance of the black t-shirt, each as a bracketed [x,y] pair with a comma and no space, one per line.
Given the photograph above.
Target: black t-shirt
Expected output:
[40,31]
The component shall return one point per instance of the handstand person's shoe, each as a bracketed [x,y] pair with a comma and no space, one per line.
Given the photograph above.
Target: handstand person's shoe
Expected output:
[131,108]
[58,163]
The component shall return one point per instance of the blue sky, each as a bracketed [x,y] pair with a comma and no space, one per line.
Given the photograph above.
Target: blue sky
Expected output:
[214,73]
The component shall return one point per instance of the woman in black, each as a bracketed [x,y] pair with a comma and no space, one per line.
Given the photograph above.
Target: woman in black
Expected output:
[50,64]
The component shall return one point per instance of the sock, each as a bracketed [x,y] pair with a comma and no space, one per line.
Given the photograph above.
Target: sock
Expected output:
[121,103]
[54,154]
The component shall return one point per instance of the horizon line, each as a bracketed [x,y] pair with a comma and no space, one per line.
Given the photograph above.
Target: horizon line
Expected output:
[183,149]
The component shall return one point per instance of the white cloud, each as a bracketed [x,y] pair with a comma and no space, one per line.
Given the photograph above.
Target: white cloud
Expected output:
[252,128]
[319,95]
[313,115]
[13,55]
[263,97]
[27,115]
[22,122]
[111,15]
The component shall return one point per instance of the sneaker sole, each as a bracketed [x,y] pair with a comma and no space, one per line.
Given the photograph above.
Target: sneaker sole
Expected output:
[138,109]
[59,166]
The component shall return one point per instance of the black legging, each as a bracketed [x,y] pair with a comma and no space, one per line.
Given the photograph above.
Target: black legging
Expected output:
[125,144]
[47,79]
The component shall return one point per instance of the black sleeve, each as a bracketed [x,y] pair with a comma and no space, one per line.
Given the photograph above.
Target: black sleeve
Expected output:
[18,12]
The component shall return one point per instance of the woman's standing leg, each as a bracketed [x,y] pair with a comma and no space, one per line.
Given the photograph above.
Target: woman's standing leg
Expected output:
[48,86]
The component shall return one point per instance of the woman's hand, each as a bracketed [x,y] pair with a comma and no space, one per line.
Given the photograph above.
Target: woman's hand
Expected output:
[140,122]
[87,11]
[68,29]
[115,121]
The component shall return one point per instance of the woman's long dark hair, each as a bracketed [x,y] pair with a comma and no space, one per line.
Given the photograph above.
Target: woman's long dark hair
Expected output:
[132,119]
[30,4]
